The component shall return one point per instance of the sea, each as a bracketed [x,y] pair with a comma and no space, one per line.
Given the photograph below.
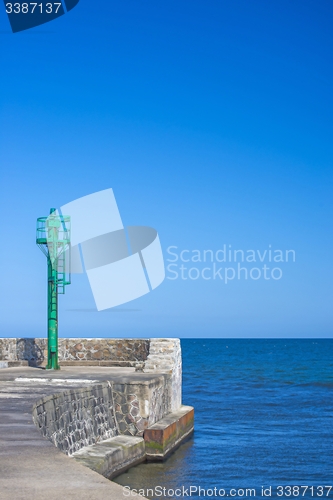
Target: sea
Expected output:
[263,423]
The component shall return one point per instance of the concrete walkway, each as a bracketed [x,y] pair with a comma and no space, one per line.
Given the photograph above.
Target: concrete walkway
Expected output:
[32,468]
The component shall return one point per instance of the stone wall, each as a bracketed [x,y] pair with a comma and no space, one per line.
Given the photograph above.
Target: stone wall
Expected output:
[76,418]
[117,352]
[165,355]
[139,405]
[32,350]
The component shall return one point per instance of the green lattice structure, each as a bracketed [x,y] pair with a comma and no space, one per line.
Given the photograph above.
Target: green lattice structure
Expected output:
[53,238]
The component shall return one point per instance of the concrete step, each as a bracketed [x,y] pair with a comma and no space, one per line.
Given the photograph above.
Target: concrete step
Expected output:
[168,433]
[112,456]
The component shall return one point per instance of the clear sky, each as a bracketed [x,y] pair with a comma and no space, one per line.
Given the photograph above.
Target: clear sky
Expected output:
[212,122]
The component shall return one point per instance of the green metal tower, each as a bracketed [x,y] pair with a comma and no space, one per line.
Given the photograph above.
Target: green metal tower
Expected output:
[53,238]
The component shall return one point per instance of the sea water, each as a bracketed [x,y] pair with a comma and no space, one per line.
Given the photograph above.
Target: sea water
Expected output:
[263,423]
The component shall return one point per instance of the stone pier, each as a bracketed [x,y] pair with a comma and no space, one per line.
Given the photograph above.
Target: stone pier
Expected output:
[107,418]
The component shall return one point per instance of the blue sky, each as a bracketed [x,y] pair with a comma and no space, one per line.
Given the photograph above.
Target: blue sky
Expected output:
[212,122]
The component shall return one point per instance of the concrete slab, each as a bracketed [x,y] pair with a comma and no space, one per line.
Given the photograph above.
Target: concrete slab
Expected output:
[100,373]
